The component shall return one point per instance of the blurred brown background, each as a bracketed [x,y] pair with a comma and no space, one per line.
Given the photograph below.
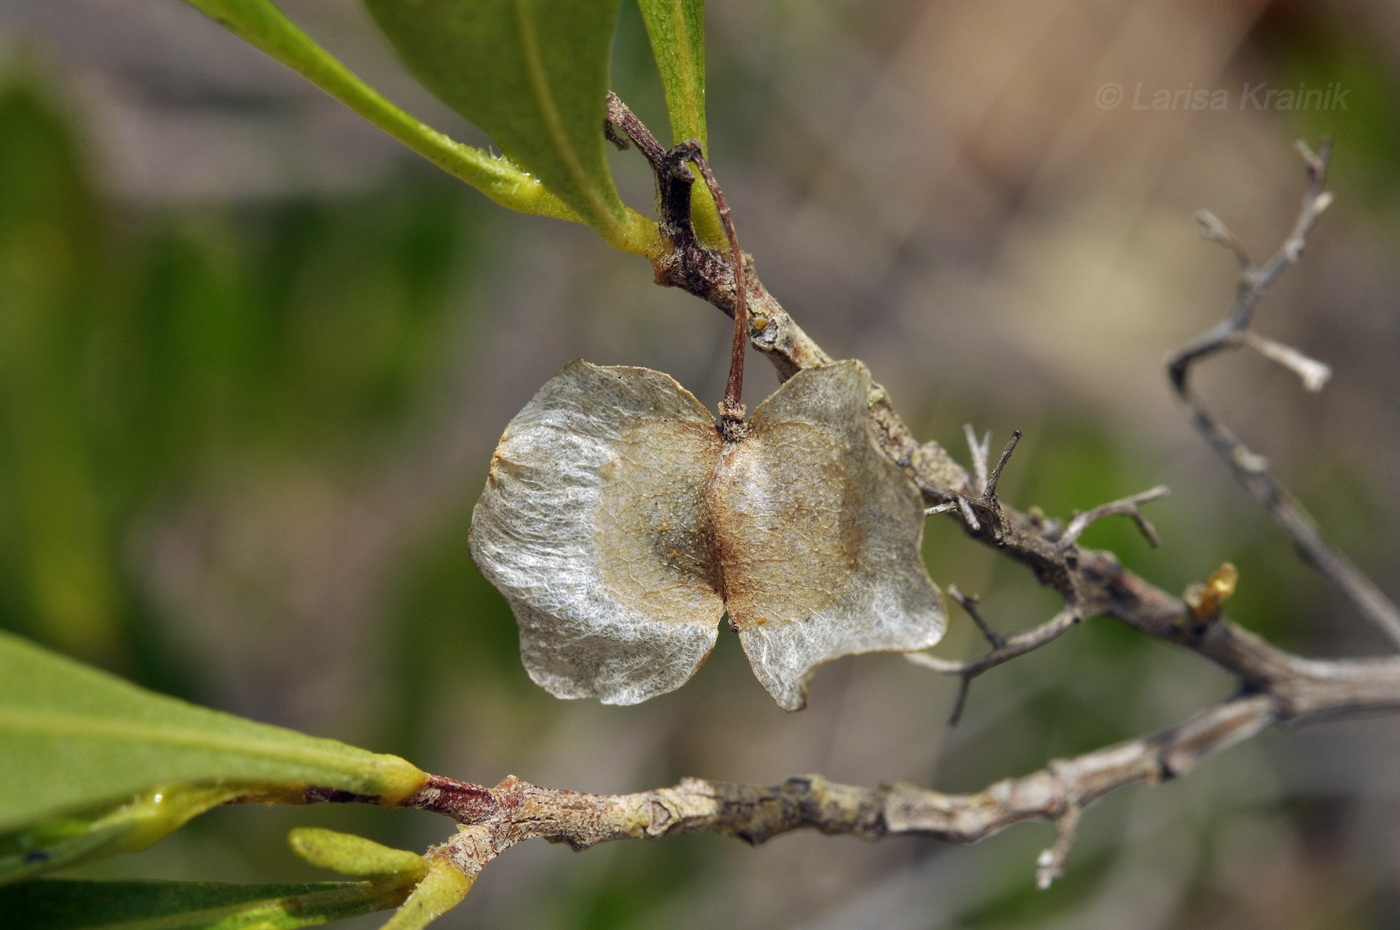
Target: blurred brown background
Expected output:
[254,358]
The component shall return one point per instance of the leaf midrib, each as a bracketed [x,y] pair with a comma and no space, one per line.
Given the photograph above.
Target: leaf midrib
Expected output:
[549,112]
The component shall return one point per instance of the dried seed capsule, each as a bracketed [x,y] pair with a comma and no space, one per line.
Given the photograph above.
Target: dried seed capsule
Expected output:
[619,525]
[823,535]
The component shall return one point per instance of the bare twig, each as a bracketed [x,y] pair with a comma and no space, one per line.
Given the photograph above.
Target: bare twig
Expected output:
[1213,230]
[1126,507]
[979,452]
[1251,469]
[989,488]
[1255,280]
[1314,374]
[968,514]
[969,604]
[1050,865]
[494,819]
[1281,688]
[1017,644]
[986,503]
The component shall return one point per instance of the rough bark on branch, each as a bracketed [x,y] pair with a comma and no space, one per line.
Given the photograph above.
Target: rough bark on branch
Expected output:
[513,811]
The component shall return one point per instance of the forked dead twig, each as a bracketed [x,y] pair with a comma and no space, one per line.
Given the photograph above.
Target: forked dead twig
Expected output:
[1250,468]
[968,602]
[1126,507]
[979,451]
[1017,644]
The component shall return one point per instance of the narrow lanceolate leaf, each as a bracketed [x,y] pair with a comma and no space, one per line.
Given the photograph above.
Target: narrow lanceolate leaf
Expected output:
[136,905]
[677,32]
[73,739]
[262,25]
[534,75]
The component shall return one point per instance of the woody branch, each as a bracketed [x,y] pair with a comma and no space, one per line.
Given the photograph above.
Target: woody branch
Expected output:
[1275,686]
[497,818]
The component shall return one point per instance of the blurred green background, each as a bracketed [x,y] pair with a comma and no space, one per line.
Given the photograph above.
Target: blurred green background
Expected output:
[253,361]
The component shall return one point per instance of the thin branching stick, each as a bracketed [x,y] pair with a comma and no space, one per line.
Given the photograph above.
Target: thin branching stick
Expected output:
[1251,469]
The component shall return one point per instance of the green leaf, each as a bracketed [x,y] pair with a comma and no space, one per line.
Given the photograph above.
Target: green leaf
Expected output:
[57,904]
[73,738]
[56,575]
[442,889]
[534,75]
[677,32]
[109,831]
[438,885]
[262,25]
[355,855]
